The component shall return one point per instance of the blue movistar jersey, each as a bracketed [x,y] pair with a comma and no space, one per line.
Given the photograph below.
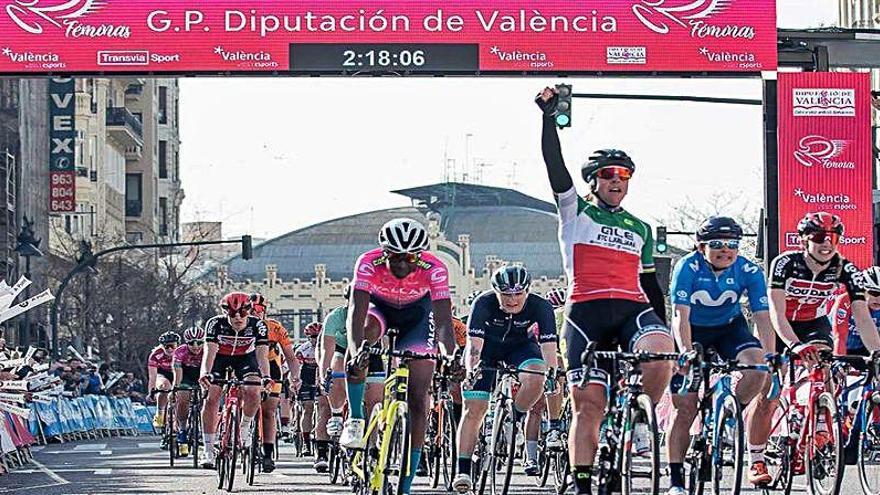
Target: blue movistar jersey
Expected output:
[714,299]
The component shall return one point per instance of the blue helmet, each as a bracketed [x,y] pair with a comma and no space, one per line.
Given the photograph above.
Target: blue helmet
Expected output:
[719,228]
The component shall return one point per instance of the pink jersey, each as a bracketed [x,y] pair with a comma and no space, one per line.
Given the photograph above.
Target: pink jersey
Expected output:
[186,357]
[430,276]
[159,359]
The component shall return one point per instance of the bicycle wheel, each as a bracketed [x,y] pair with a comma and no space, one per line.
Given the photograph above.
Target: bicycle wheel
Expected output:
[253,453]
[170,434]
[448,449]
[560,472]
[223,454]
[433,445]
[696,462]
[781,450]
[644,464]
[397,456]
[195,432]
[498,463]
[234,436]
[869,447]
[727,449]
[333,467]
[825,455]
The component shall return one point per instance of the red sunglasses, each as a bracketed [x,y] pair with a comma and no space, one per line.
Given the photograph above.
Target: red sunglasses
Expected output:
[242,312]
[822,235]
[608,173]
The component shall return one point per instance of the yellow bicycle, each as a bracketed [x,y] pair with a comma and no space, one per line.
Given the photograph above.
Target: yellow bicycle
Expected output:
[381,467]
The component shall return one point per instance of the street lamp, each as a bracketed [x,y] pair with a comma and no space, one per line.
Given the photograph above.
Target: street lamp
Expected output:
[27,247]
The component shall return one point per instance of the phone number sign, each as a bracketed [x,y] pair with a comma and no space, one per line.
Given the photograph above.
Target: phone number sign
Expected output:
[62,142]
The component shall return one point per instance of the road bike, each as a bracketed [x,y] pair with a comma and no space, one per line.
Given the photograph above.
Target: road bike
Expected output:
[628,408]
[229,430]
[441,450]
[381,470]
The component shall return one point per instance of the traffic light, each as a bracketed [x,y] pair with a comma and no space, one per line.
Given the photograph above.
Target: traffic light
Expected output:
[660,243]
[247,247]
[563,105]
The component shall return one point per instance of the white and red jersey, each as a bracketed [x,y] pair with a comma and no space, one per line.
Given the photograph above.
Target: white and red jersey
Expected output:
[232,343]
[430,276]
[604,250]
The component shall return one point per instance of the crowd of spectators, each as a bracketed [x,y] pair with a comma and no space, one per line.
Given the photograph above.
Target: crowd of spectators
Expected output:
[80,377]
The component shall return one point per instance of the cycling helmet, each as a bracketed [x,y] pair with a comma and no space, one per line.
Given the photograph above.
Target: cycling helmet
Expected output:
[258,303]
[193,333]
[556,297]
[871,278]
[719,228]
[605,158]
[169,338]
[820,222]
[235,302]
[469,300]
[312,329]
[511,280]
[403,236]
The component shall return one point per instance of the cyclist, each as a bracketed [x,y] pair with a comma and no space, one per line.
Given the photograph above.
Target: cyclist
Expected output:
[499,329]
[279,346]
[239,341]
[706,289]
[552,400]
[407,285]
[801,285]
[334,345]
[614,297]
[308,371]
[848,342]
[159,374]
[186,361]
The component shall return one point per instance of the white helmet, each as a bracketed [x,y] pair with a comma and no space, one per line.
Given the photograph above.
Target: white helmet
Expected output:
[403,236]
[871,278]
[193,333]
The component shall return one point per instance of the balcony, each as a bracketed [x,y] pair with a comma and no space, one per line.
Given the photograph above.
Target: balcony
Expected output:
[134,153]
[124,127]
[133,92]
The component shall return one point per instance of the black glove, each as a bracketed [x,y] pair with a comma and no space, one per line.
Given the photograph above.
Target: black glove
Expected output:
[549,106]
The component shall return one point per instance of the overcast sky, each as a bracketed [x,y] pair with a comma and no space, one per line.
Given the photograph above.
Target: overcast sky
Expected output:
[270,155]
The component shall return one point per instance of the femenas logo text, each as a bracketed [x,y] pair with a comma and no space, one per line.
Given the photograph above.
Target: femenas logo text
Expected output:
[661,16]
[819,150]
[33,16]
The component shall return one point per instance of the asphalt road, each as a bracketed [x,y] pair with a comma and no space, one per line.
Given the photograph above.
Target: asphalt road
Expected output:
[135,465]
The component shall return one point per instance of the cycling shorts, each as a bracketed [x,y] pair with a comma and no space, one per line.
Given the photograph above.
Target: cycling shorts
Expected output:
[167,374]
[307,393]
[816,331]
[376,365]
[727,340]
[519,354]
[413,322]
[242,365]
[190,377]
[611,323]
[277,378]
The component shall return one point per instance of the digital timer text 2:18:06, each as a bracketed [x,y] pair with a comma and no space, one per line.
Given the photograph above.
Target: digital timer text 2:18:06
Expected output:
[383,58]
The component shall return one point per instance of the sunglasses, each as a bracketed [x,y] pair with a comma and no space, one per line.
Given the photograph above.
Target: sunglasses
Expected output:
[239,312]
[198,343]
[719,244]
[512,290]
[169,346]
[407,257]
[874,293]
[608,173]
[822,235]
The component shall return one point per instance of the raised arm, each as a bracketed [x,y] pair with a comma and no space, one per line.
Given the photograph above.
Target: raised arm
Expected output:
[560,179]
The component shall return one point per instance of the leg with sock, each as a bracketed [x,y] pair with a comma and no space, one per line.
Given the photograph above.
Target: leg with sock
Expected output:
[582,476]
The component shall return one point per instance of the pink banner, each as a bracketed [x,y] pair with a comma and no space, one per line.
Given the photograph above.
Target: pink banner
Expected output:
[69,36]
[825,156]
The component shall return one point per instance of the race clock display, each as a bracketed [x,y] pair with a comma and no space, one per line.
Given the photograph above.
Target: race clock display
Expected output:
[384,57]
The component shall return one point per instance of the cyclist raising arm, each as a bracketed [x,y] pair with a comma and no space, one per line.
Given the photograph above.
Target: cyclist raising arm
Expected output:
[615,298]
[406,284]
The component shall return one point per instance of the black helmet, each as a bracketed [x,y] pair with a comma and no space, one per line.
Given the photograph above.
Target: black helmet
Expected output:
[169,338]
[719,228]
[511,279]
[605,158]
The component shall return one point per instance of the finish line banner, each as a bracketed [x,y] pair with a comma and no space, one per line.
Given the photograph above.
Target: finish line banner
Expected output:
[348,36]
[825,156]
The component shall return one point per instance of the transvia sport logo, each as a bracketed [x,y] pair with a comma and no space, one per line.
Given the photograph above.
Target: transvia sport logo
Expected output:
[819,150]
[661,16]
[33,16]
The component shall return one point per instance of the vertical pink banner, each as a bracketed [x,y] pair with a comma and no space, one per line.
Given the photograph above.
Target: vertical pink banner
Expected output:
[825,156]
